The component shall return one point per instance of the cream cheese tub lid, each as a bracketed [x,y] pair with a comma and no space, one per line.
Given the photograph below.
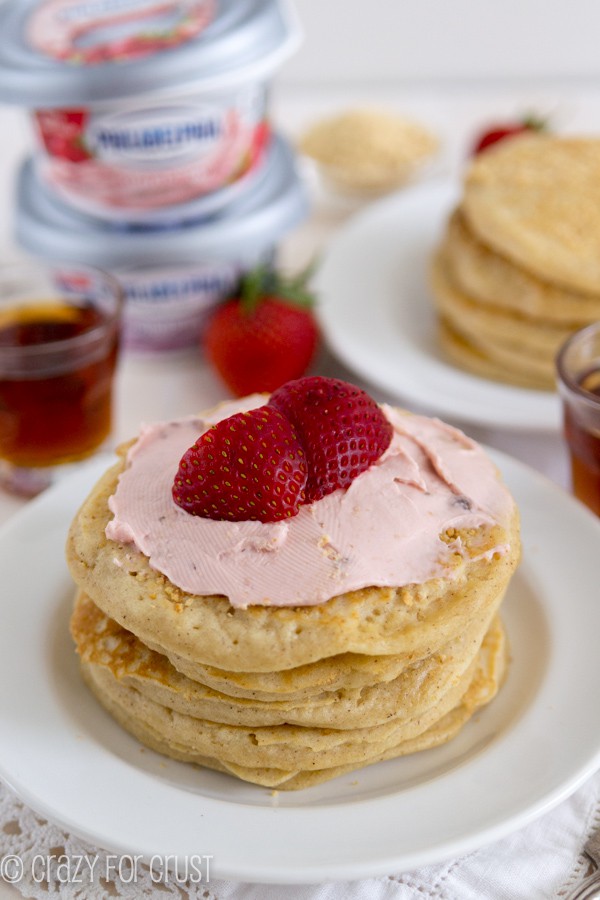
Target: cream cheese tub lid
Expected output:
[47,228]
[70,52]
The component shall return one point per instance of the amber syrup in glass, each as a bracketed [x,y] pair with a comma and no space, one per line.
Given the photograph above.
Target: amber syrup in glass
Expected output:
[584,445]
[62,417]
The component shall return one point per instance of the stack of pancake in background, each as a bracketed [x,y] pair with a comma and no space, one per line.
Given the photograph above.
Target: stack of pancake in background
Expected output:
[518,269]
[290,696]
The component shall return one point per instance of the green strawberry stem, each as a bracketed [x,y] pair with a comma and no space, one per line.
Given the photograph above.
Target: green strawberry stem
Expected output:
[535,122]
[265,281]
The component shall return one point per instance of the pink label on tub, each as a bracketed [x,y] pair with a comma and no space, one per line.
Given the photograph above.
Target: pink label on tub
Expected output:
[167,308]
[95,31]
[150,157]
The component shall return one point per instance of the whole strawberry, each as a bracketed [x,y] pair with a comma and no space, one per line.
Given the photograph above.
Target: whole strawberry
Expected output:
[249,466]
[341,428]
[265,335]
[501,131]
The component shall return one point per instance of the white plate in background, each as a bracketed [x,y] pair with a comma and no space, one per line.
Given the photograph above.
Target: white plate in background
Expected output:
[377,315]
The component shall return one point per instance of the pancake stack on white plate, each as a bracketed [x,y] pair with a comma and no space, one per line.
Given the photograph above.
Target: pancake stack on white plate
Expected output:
[518,269]
[290,695]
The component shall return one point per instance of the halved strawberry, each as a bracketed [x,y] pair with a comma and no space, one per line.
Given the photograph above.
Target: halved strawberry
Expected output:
[249,466]
[342,429]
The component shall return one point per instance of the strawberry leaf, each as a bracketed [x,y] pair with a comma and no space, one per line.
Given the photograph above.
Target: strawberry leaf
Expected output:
[265,281]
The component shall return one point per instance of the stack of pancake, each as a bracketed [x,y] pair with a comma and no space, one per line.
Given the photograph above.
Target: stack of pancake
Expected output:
[518,269]
[287,697]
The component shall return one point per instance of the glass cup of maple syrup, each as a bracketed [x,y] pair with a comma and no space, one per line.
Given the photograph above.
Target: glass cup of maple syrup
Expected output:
[59,335]
[578,367]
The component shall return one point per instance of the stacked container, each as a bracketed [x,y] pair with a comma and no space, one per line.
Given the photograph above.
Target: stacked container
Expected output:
[153,154]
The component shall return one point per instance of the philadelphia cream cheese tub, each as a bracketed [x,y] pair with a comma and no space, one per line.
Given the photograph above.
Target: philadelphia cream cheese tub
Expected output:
[142,105]
[172,276]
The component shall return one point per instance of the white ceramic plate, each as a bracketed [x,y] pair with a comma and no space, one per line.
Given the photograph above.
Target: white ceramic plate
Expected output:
[377,315]
[534,745]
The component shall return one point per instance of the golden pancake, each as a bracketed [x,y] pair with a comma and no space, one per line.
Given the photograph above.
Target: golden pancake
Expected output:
[490,324]
[474,359]
[491,279]
[325,676]
[219,747]
[536,200]
[103,643]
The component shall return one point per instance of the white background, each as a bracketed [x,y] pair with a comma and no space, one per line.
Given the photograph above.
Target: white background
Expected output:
[391,40]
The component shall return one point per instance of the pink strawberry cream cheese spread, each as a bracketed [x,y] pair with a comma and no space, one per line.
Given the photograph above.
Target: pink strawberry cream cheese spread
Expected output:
[382,530]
